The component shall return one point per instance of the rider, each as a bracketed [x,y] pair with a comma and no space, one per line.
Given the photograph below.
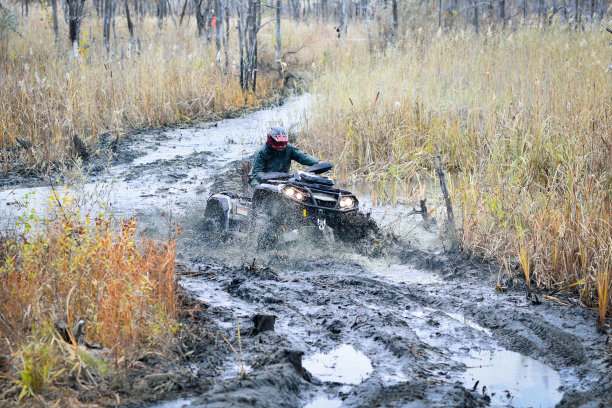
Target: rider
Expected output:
[276,155]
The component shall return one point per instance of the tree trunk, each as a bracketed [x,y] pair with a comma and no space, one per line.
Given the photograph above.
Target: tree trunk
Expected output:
[199,17]
[55,27]
[475,21]
[257,5]
[395,20]
[324,10]
[251,44]
[502,12]
[218,23]
[454,11]
[576,14]
[130,27]
[183,13]
[75,13]
[279,68]
[227,33]
[241,43]
[161,13]
[344,18]
[107,13]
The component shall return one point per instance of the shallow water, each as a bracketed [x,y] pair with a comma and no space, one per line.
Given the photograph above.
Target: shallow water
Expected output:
[512,378]
[323,402]
[342,365]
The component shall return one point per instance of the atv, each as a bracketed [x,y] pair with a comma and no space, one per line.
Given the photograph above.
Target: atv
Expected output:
[285,204]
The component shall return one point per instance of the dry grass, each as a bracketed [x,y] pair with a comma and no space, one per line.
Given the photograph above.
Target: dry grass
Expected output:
[522,117]
[74,266]
[46,96]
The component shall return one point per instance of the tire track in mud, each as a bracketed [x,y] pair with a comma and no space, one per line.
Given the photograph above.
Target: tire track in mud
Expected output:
[421,347]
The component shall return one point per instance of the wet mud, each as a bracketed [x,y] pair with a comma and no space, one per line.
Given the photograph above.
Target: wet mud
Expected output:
[392,319]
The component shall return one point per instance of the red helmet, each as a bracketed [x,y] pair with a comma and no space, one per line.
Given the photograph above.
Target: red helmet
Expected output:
[277,138]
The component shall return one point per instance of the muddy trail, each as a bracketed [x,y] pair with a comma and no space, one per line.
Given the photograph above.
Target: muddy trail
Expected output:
[396,320]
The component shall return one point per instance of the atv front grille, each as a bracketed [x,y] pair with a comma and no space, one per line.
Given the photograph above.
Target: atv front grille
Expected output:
[326,204]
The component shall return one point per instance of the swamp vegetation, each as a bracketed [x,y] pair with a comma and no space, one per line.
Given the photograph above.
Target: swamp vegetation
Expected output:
[515,97]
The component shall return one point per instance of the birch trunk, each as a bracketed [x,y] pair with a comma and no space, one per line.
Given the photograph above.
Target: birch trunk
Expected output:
[279,68]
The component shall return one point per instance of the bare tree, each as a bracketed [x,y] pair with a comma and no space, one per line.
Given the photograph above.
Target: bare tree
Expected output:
[107,15]
[241,42]
[279,68]
[395,20]
[475,16]
[218,17]
[227,33]
[252,28]
[130,26]
[75,14]
[55,26]
[344,17]
[199,17]
[161,13]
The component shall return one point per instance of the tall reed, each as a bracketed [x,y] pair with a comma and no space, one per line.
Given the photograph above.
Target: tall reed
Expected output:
[522,116]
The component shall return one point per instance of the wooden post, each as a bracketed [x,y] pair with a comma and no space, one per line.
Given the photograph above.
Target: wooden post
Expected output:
[450,222]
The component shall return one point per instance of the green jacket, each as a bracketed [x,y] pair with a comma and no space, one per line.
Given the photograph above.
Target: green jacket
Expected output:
[267,161]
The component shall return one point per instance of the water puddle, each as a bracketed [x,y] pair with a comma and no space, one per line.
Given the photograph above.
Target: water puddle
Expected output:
[342,365]
[512,379]
[179,403]
[323,402]
[208,292]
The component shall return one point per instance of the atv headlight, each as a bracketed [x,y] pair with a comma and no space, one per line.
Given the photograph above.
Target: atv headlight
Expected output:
[347,202]
[294,193]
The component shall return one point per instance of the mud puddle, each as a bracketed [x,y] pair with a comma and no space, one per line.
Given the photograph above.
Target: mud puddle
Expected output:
[513,379]
[343,365]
